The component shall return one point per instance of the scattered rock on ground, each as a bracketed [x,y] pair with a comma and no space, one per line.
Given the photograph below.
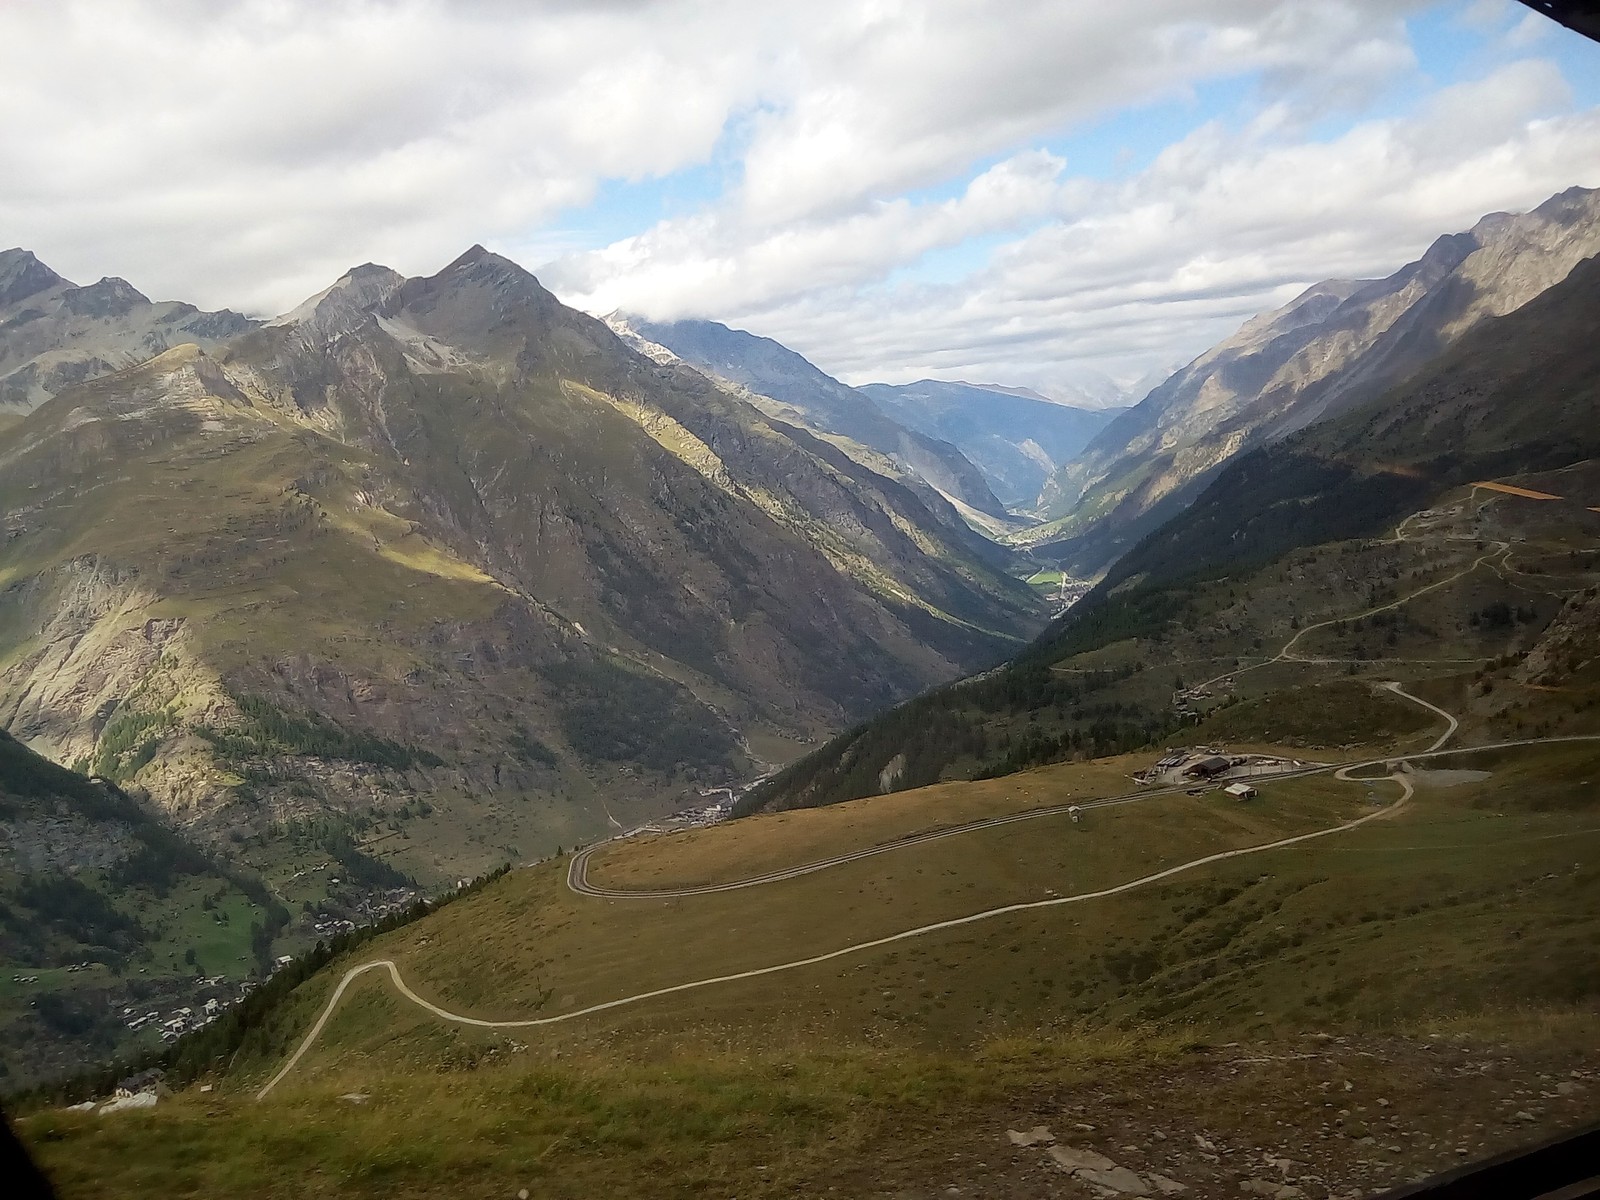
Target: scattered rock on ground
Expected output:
[1037,1136]
[1268,1187]
[1117,1179]
[1078,1158]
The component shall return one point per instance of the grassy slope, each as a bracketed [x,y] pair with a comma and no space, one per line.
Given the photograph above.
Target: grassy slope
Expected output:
[1465,907]
[1411,611]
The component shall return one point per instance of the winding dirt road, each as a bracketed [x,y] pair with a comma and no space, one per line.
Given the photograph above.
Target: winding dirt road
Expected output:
[795,964]
[576,880]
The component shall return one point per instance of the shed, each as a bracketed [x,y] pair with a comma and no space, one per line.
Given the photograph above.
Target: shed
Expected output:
[1204,768]
[1240,791]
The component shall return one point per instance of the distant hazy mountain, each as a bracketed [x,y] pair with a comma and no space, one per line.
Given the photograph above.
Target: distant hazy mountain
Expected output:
[54,333]
[1083,387]
[1338,344]
[1017,437]
[445,550]
[789,387]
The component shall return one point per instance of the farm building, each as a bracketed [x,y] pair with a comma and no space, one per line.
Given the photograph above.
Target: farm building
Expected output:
[1205,768]
[1240,791]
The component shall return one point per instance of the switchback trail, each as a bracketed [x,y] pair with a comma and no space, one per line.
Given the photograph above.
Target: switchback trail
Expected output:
[1287,654]
[794,964]
[918,931]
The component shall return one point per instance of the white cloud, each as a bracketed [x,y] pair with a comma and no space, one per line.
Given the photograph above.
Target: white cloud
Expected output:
[694,266]
[245,152]
[1222,225]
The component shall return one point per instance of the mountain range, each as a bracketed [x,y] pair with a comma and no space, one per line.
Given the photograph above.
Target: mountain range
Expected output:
[443,550]
[1350,517]
[1339,344]
[431,574]
[54,333]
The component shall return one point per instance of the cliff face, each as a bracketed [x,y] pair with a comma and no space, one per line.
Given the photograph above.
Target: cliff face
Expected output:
[1339,344]
[445,540]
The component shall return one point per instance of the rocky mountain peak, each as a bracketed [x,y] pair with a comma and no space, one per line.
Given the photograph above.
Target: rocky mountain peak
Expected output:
[1565,208]
[22,275]
[111,297]
[346,305]
[485,268]
[1445,254]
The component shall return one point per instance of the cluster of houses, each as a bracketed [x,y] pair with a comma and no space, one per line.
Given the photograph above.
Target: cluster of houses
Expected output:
[187,1019]
[323,925]
[692,818]
[698,817]
[182,1021]
[371,909]
[1071,591]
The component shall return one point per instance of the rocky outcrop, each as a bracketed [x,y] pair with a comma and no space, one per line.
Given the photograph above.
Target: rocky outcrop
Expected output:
[1568,645]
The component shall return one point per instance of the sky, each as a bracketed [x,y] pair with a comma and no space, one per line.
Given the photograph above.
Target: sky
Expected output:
[1028,192]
